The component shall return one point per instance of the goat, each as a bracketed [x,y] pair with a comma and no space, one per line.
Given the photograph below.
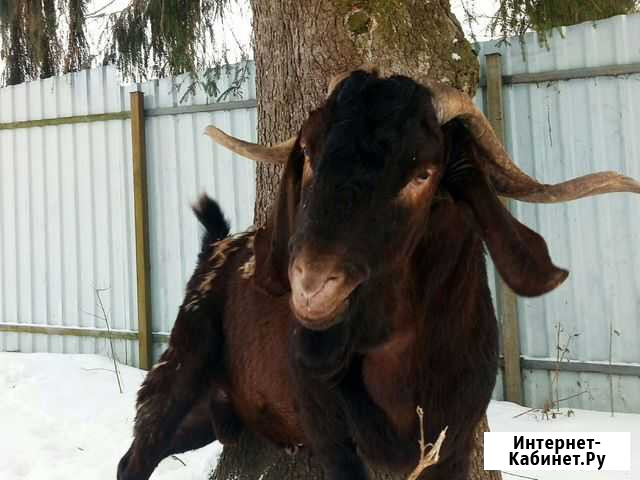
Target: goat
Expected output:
[364,296]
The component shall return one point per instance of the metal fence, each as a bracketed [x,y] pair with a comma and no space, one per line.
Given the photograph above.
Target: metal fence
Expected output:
[572,109]
[68,225]
[182,164]
[68,229]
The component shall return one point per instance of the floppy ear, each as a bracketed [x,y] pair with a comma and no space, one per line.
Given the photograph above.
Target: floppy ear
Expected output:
[520,254]
[271,245]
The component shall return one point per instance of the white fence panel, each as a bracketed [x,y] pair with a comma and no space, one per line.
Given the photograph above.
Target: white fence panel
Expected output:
[67,217]
[66,197]
[67,224]
[182,164]
[562,129]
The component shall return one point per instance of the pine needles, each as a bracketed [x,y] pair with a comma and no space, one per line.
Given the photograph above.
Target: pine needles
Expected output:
[515,17]
[31,38]
[163,37]
[157,38]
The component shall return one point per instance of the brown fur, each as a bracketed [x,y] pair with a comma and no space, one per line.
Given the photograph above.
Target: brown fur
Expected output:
[419,330]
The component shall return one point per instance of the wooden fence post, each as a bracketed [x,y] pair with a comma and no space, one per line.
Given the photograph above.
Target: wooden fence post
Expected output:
[506,299]
[141,208]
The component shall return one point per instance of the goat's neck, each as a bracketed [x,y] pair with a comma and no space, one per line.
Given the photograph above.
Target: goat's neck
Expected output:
[443,286]
[443,318]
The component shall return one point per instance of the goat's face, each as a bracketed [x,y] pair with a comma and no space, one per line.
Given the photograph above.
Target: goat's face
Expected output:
[372,159]
[359,183]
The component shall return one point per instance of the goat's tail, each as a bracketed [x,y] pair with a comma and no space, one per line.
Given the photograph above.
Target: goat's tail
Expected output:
[210,215]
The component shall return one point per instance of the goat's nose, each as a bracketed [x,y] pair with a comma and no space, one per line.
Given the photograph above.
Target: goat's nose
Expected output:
[313,281]
[316,290]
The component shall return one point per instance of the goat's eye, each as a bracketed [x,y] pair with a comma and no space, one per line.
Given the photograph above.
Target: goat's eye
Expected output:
[423,176]
[306,151]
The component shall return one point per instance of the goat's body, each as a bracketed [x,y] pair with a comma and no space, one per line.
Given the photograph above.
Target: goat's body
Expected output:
[441,354]
[256,329]
[364,297]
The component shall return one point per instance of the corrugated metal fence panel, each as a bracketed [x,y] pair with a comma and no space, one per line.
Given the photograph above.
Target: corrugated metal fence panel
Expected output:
[559,130]
[183,163]
[66,197]
[67,217]
[67,210]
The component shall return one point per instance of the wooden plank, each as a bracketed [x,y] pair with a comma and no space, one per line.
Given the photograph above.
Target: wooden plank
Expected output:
[568,74]
[75,119]
[161,337]
[572,74]
[157,337]
[141,208]
[582,367]
[211,107]
[622,369]
[506,299]
[68,331]
[152,112]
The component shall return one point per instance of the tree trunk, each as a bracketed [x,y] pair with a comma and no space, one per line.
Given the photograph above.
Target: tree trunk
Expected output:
[254,458]
[299,46]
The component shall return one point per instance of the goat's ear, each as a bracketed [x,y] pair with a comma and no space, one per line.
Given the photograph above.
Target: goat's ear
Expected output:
[271,245]
[520,254]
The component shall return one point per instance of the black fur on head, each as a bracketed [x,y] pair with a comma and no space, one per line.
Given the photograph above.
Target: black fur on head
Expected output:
[357,193]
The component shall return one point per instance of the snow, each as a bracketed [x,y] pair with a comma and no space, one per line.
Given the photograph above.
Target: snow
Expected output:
[501,420]
[62,416]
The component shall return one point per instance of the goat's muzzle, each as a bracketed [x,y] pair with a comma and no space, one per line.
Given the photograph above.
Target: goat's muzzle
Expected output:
[320,290]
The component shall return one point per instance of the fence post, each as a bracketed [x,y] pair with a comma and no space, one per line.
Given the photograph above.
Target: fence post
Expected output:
[506,298]
[140,202]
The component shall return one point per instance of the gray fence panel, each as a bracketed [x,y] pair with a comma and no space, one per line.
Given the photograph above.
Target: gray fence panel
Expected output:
[183,163]
[67,221]
[562,129]
[66,197]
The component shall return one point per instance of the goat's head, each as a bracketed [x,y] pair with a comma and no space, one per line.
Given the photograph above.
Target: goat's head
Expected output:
[360,181]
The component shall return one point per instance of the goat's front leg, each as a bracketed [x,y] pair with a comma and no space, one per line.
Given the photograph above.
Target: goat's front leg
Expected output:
[169,393]
[319,359]
[194,431]
[372,430]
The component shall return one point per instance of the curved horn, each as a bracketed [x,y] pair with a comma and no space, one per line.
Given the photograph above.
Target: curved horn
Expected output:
[276,154]
[506,176]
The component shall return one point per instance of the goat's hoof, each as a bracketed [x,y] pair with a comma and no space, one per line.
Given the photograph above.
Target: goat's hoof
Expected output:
[122,466]
[124,469]
[228,432]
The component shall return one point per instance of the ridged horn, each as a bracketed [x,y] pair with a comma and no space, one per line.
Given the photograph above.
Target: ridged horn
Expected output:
[508,179]
[277,154]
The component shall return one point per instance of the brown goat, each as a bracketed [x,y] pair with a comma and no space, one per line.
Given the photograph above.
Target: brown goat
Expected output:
[364,296]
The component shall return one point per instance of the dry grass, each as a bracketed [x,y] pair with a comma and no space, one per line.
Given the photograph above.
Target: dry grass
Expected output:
[429,452]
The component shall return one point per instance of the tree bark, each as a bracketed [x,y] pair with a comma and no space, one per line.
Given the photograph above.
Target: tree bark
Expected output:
[255,458]
[299,45]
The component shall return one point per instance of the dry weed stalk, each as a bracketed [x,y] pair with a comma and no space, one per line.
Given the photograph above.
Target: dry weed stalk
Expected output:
[105,317]
[429,452]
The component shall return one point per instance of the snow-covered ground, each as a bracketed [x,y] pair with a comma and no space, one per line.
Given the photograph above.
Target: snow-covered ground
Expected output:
[501,420]
[62,417]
